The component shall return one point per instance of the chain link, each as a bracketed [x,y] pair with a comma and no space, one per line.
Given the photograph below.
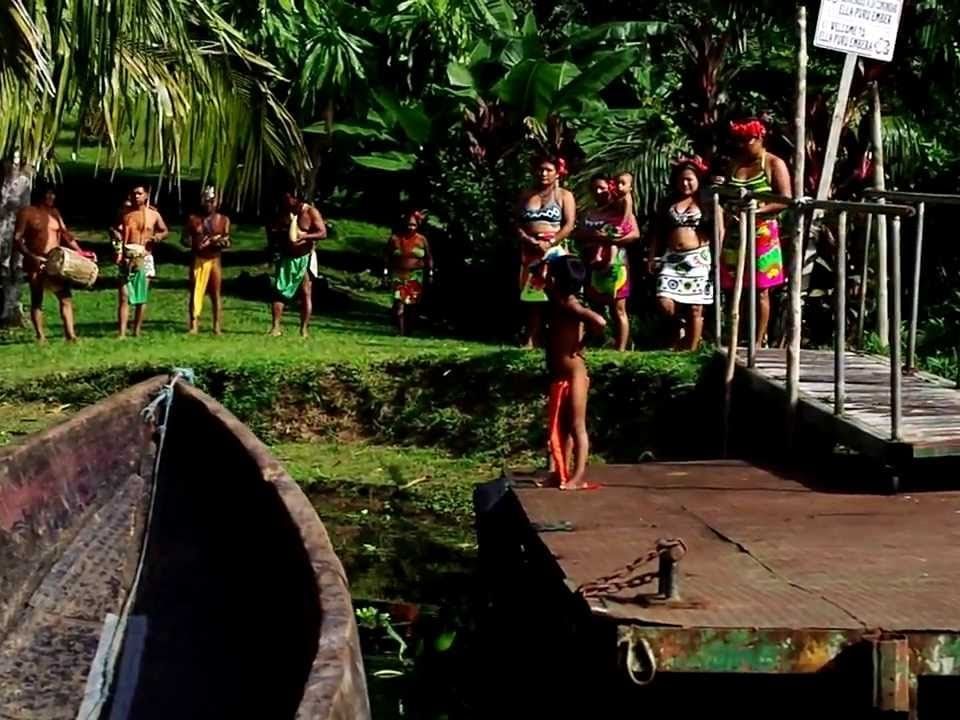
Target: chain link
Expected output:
[628,577]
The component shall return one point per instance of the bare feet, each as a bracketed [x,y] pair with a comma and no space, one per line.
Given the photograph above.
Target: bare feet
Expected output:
[218,331]
[73,340]
[41,340]
[275,332]
[192,330]
[304,333]
[579,484]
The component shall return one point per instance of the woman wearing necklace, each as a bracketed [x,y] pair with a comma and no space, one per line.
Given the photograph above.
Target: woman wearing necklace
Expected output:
[546,217]
[757,170]
[682,270]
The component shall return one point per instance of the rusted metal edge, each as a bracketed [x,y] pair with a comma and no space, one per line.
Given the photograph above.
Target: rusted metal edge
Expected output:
[783,651]
[336,686]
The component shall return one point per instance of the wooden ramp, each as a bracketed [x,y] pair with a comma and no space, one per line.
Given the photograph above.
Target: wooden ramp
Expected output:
[930,424]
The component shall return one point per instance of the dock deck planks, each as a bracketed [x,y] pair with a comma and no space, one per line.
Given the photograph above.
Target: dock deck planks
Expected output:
[931,405]
[764,551]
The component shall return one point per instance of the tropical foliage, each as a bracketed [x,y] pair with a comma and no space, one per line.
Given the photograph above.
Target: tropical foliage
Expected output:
[173,79]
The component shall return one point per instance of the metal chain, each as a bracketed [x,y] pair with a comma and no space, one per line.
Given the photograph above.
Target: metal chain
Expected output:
[627,577]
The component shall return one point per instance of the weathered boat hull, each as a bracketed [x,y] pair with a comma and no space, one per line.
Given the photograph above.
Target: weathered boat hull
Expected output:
[245,605]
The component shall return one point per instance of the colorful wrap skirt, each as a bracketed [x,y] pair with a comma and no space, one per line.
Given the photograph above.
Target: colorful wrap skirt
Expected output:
[407,285]
[611,282]
[684,277]
[769,261]
[533,273]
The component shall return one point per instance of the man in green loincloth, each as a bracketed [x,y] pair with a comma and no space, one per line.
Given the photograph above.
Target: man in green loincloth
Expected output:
[143,227]
[293,239]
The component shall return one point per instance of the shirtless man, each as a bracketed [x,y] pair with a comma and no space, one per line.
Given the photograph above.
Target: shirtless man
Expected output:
[569,382]
[39,230]
[207,233]
[295,261]
[142,226]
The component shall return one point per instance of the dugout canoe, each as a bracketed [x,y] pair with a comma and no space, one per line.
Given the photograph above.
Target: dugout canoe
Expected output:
[202,586]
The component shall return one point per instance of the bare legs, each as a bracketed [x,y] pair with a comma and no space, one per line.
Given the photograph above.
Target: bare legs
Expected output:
[763,315]
[213,291]
[306,304]
[123,315]
[402,317]
[306,308]
[534,325]
[694,323]
[579,388]
[216,298]
[621,324]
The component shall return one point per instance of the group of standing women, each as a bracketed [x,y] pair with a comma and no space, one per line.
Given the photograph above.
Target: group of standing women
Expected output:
[678,253]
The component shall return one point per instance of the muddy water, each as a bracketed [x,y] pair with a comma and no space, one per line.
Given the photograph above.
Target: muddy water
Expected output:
[413,579]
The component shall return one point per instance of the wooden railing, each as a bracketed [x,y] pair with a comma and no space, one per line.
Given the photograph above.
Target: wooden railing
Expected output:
[744,203]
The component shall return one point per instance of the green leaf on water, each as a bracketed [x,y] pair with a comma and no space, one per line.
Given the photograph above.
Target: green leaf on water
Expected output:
[445,641]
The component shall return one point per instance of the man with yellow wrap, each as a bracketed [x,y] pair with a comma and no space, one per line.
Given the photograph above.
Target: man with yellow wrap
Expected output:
[207,233]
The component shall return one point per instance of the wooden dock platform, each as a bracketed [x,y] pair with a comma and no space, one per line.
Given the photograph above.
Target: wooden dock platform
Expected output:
[778,578]
[931,405]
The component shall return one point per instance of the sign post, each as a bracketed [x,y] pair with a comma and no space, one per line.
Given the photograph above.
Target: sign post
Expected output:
[858,28]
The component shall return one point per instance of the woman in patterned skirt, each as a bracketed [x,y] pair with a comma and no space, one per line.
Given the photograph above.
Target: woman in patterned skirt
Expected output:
[683,270]
[409,265]
[757,170]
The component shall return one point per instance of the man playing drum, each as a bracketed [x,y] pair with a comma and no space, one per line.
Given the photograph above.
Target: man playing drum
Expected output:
[39,230]
[296,261]
[142,228]
[207,233]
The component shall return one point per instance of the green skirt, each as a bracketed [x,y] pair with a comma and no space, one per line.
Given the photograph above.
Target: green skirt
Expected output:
[288,275]
[138,287]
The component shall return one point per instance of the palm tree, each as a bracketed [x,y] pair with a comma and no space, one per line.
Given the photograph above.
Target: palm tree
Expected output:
[174,78]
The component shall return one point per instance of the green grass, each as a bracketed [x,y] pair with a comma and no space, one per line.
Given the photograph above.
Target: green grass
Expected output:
[351,326]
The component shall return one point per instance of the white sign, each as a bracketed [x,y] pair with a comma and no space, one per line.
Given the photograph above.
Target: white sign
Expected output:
[863,27]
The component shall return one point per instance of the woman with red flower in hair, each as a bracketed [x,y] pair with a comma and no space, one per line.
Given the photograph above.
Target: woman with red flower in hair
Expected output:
[409,264]
[757,170]
[546,216]
[680,256]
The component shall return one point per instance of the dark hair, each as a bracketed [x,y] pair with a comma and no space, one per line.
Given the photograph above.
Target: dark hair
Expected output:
[558,162]
[568,273]
[597,177]
[41,189]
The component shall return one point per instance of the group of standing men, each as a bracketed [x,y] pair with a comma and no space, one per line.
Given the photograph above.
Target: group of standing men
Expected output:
[29,232]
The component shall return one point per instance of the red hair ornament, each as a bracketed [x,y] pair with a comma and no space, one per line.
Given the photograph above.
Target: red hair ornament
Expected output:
[749,130]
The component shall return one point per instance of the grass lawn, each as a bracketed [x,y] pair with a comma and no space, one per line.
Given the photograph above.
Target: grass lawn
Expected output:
[351,326]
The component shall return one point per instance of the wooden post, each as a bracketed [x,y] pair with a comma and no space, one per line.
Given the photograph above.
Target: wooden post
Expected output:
[895,372]
[880,183]
[795,271]
[840,311]
[915,299]
[734,330]
[865,273]
[717,254]
[836,126]
[752,295]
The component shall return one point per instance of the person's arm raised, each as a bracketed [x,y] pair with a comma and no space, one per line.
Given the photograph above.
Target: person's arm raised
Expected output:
[318,229]
[594,321]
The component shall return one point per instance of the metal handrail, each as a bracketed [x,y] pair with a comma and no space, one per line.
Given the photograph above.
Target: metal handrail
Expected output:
[913,197]
[745,203]
[921,200]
